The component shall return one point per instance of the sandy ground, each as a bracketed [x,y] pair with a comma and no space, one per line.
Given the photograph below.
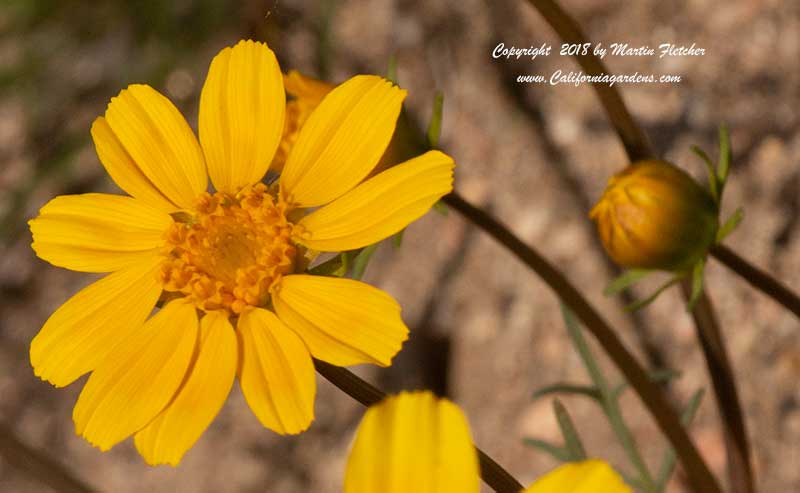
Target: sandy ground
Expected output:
[484,329]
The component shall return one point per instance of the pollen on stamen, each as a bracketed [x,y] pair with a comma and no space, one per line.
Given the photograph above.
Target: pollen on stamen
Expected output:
[231,252]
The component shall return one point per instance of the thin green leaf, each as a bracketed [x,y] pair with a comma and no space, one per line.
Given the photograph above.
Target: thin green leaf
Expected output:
[713,180]
[572,442]
[568,388]
[668,462]
[730,224]
[642,303]
[435,125]
[441,208]
[397,239]
[610,404]
[625,280]
[336,266]
[560,454]
[362,260]
[697,283]
[724,156]
[391,69]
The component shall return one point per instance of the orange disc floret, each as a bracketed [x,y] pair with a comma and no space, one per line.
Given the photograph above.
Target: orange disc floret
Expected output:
[231,251]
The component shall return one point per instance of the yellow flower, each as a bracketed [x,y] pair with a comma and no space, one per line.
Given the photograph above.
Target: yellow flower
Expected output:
[418,442]
[226,264]
[306,94]
[653,215]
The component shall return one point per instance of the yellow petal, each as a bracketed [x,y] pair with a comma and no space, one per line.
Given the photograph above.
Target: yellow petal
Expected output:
[341,141]
[591,476]
[120,166]
[81,333]
[157,138]
[342,321]
[167,438]
[381,206]
[139,378]
[97,232]
[413,442]
[241,114]
[277,374]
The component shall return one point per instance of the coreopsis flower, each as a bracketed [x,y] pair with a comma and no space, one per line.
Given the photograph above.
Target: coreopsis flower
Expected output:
[418,442]
[653,215]
[227,265]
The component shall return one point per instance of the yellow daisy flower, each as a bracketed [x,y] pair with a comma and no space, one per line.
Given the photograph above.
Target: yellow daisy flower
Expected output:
[226,264]
[417,442]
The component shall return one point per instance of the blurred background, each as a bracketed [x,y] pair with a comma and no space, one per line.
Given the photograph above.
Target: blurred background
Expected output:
[485,331]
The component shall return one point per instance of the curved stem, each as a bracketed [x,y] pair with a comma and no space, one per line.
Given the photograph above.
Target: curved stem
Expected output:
[758,278]
[699,475]
[492,473]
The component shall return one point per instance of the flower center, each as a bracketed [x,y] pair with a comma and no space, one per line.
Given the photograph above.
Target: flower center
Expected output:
[230,253]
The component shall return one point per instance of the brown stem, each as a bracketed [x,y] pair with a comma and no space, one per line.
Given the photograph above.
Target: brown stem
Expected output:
[492,473]
[38,465]
[758,278]
[719,368]
[633,139]
[654,399]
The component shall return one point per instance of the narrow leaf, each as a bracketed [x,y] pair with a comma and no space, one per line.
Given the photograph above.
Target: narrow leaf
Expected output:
[724,156]
[625,280]
[572,442]
[362,260]
[558,453]
[435,125]
[656,376]
[730,224]
[391,69]
[713,180]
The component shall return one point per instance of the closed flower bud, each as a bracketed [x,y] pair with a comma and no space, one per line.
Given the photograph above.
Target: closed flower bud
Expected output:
[653,215]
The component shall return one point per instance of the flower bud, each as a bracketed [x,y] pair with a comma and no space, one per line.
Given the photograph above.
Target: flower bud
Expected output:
[653,215]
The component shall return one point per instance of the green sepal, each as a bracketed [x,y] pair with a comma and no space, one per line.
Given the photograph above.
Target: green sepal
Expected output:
[625,280]
[643,303]
[391,69]
[713,177]
[697,283]
[730,225]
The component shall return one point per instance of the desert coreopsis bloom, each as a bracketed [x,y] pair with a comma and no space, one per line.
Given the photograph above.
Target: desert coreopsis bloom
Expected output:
[653,215]
[417,442]
[227,265]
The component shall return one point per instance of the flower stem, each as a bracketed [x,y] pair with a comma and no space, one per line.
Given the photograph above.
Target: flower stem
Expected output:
[737,446]
[38,465]
[492,473]
[758,278]
[654,399]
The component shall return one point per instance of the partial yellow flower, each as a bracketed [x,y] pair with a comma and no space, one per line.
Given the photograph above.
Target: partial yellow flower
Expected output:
[306,93]
[226,265]
[414,441]
[653,215]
